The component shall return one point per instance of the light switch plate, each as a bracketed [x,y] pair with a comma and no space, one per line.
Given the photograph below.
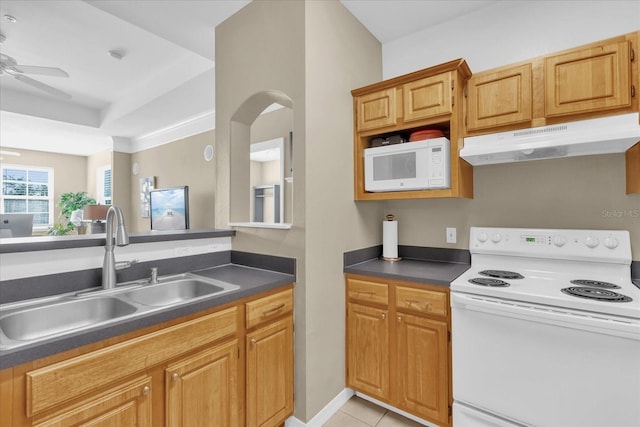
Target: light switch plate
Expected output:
[451,235]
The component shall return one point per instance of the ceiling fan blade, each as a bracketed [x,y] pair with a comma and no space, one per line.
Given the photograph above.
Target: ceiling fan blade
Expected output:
[43,71]
[50,90]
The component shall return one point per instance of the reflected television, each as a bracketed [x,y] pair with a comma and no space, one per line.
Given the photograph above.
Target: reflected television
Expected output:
[170,208]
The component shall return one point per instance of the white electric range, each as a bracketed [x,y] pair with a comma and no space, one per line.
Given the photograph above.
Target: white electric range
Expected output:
[546,330]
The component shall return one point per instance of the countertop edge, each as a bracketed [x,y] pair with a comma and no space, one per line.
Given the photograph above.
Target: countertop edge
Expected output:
[46,243]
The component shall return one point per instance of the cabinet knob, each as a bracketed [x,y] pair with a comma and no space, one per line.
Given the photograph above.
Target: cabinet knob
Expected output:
[253,341]
[145,390]
[383,316]
[175,376]
[399,318]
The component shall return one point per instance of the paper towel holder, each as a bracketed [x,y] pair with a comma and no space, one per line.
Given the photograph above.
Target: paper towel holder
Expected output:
[390,259]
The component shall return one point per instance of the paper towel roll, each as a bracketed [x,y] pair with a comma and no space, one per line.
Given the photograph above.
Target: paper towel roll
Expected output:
[390,239]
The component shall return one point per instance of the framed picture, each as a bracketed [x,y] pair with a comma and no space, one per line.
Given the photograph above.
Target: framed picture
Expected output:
[170,208]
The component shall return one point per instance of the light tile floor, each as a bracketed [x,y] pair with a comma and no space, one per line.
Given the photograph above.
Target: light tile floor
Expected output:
[358,412]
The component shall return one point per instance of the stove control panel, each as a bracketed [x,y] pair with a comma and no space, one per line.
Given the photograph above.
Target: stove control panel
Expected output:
[595,245]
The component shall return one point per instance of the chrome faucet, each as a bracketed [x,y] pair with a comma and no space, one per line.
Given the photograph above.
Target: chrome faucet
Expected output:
[109,265]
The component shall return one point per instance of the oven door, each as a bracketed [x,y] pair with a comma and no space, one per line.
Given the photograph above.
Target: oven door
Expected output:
[543,366]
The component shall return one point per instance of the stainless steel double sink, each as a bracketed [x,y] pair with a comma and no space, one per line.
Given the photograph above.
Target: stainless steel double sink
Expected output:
[39,319]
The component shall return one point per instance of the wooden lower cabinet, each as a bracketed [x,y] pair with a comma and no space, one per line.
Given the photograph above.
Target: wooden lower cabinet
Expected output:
[398,349]
[368,357]
[423,367]
[203,389]
[187,372]
[269,383]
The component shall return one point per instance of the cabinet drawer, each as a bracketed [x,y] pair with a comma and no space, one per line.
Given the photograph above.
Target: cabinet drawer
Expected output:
[268,308]
[421,300]
[54,384]
[361,290]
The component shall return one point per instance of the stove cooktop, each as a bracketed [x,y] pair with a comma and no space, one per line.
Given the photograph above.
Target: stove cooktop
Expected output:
[586,270]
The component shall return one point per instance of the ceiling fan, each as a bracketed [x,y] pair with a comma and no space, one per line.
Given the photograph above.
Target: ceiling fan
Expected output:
[10,66]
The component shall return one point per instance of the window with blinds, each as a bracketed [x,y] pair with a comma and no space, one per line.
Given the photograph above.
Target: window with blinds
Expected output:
[28,189]
[103,189]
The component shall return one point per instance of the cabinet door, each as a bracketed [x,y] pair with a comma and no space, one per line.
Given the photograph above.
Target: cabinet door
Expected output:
[270,374]
[202,390]
[423,367]
[368,350]
[376,110]
[427,97]
[128,406]
[499,98]
[587,80]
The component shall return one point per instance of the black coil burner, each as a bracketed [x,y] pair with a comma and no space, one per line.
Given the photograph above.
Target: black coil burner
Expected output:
[595,284]
[483,281]
[596,294]
[502,274]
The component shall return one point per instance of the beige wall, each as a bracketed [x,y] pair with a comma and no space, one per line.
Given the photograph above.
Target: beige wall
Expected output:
[339,60]
[577,192]
[69,171]
[270,35]
[287,47]
[175,164]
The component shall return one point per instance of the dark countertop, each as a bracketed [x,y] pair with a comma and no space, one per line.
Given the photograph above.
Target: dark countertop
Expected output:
[420,271]
[434,266]
[251,280]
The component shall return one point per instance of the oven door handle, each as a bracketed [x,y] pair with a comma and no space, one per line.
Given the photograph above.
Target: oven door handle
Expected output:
[593,322]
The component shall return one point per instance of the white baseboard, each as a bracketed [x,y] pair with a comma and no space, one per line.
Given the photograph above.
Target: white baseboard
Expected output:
[325,413]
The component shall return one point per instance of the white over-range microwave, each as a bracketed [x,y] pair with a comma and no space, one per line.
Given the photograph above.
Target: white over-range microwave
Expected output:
[419,165]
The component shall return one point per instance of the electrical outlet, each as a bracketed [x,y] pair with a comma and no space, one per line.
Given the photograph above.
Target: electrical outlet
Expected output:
[451,235]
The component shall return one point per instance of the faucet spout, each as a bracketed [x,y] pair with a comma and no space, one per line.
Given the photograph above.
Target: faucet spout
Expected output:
[121,239]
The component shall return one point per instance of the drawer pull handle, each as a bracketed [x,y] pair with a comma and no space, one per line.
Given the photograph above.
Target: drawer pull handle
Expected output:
[145,390]
[175,376]
[273,310]
[360,291]
[410,302]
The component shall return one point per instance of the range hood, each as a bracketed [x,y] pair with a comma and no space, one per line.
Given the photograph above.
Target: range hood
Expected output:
[614,134]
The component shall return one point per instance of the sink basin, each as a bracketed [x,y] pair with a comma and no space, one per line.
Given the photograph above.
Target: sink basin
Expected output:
[177,291]
[34,323]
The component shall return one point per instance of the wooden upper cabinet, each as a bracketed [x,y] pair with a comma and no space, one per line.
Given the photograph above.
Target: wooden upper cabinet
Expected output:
[376,110]
[428,97]
[592,79]
[499,98]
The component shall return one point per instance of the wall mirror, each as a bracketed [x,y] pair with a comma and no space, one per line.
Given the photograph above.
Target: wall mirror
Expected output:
[261,162]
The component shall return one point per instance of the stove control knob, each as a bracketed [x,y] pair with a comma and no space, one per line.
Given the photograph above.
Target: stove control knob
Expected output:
[482,237]
[611,242]
[496,238]
[591,242]
[559,240]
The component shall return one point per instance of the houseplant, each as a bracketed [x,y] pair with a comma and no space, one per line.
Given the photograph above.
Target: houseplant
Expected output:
[68,203]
